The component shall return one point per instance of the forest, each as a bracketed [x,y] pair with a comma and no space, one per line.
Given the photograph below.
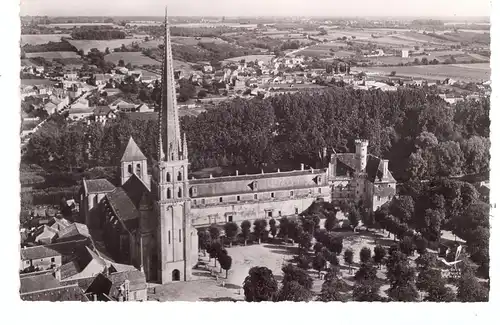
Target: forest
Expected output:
[421,135]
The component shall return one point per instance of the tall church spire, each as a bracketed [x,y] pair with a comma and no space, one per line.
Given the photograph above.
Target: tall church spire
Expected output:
[169,145]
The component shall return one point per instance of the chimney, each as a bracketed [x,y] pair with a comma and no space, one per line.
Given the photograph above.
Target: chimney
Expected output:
[237,173]
[385,168]
[262,171]
[312,170]
[301,166]
[95,297]
[278,170]
[211,176]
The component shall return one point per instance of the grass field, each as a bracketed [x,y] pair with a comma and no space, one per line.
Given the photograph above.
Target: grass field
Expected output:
[196,40]
[87,45]
[464,72]
[41,39]
[263,57]
[134,58]
[53,55]
[441,56]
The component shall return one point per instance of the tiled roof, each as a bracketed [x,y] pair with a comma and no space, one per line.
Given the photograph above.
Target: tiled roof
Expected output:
[69,248]
[122,205]
[132,152]
[102,110]
[137,281]
[372,168]
[67,293]
[70,269]
[76,229]
[80,110]
[38,282]
[83,283]
[98,185]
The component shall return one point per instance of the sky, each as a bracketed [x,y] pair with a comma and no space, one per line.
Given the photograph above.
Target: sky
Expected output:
[414,8]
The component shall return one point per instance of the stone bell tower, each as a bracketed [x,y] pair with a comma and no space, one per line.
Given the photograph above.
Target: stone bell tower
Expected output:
[170,183]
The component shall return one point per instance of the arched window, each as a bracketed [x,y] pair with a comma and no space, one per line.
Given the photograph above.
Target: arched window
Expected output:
[179,193]
[169,193]
[138,169]
[179,176]
[168,177]
[190,192]
[130,168]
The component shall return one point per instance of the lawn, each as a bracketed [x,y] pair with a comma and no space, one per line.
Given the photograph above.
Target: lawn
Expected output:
[101,45]
[464,72]
[134,58]
[265,58]
[41,39]
[196,40]
[53,55]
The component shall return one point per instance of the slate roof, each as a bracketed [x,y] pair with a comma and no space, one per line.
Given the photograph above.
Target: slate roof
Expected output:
[132,152]
[87,263]
[250,177]
[38,282]
[142,115]
[98,185]
[122,205]
[80,110]
[83,283]
[135,189]
[67,293]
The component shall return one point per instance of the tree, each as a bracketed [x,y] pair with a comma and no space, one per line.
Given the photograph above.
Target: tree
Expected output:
[293,291]
[202,93]
[203,241]
[348,257]
[330,291]
[214,232]
[273,228]
[245,230]
[214,251]
[425,61]
[470,290]
[365,255]
[225,262]
[303,261]
[260,285]
[331,221]
[259,226]
[402,208]
[354,216]
[366,291]
[121,63]
[406,246]
[393,73]
[304,240]
[319,263]
[366,272]
[401,277]
[335,243]
[379,253]
[293,273]
[107,51]
[231,230]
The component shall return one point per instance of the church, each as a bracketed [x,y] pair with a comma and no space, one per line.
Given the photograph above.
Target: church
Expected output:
[150,221]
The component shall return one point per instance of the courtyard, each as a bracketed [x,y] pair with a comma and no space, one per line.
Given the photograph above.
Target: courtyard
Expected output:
[210,284]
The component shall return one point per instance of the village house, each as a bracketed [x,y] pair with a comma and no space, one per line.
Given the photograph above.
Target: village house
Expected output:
[121,105]
[103,114]
[80,113]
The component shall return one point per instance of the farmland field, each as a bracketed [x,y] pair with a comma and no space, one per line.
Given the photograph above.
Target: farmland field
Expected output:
[41,39]
[101,45]
[441,56]
[134,58]
[53,55]
[464,72]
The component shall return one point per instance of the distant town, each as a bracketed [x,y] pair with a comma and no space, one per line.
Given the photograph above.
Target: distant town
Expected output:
[327,159]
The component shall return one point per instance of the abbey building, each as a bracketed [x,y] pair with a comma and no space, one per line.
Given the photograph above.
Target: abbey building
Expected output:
[150,221]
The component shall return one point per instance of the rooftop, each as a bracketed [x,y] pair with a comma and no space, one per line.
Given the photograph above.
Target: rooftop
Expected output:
[132,152]
[98,185]
[66,293]
[38,282]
